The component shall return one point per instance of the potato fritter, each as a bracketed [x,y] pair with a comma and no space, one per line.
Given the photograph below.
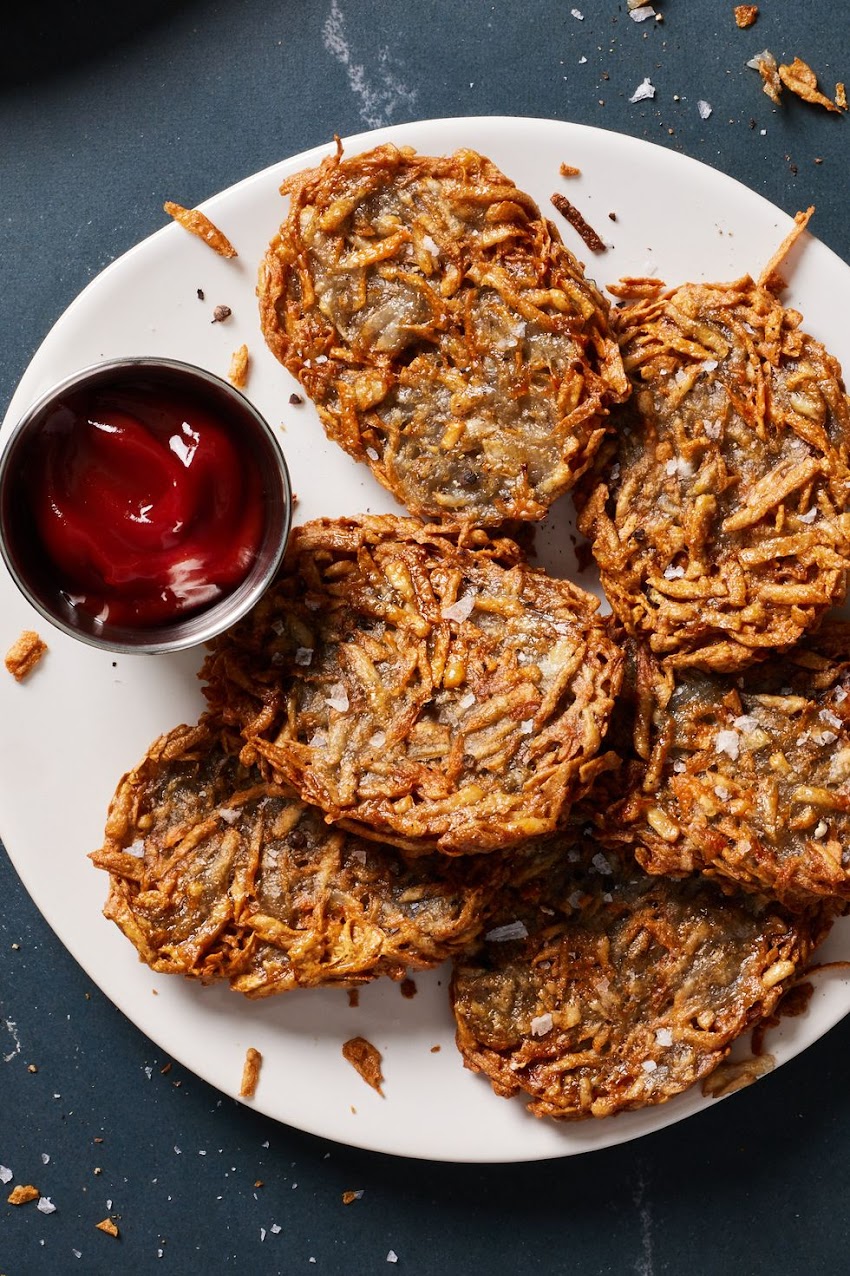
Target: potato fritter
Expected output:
[428,694]
[445,333]
[718,513]
[604,989]
[218,874]
[748,780]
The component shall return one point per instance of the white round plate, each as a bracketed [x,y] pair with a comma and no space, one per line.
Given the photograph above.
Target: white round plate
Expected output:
[84,717]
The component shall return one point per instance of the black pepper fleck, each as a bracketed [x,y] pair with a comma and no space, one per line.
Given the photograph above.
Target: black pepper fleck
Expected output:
[200,293]
[295,399]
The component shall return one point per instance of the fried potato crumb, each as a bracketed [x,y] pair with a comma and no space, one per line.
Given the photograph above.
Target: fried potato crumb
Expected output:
[594,242]
[250,1073]
[349,1197]
[365,1059]
[841,96]
[238,373]
[801,79]
[197,223]
[569,170]
[23,1193]
[765,64]
[746,14]
[24,654]
[731,1076]
[107,1225]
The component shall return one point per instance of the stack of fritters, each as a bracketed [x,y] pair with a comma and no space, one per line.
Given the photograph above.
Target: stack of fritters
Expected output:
[446,335]
[629,833]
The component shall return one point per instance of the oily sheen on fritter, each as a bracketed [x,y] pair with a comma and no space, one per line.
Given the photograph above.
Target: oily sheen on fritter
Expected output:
[218,874]
[431,693]
[717,513]
[445,333]
[600,989]
[748,779]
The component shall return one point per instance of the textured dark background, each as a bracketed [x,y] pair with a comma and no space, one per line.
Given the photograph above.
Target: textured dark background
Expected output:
[104,110]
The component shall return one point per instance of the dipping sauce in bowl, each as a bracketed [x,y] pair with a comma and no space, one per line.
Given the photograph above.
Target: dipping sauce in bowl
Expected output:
[144,505]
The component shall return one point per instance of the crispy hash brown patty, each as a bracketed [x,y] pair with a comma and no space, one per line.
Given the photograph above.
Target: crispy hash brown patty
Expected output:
[434,696]
[218,874]
[446,335]
[717,515]
[749,779]
[607,990]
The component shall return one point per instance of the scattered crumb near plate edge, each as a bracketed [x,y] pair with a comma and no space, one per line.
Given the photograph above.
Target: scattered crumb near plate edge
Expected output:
[221,314]
[24,654]
[353,997]
[568,170]
[732,1075]
[197,223]
[237,373]
[23,1194]
[435,1049]
[408,988]
[592,240]
[250,1073]
[366,1060]
[107,1225]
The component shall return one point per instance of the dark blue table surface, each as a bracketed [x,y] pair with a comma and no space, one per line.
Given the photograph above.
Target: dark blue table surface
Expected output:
[103,109]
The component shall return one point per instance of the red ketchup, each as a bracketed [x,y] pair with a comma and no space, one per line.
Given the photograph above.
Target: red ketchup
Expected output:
[145,507]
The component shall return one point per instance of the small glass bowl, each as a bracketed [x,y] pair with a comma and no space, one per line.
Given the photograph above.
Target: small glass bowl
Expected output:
[32,570]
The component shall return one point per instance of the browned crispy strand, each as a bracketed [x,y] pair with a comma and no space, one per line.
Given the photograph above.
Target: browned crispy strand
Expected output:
[748,779]
[217,873]
[446,335]
[605,990]
[428,694]
[717,514]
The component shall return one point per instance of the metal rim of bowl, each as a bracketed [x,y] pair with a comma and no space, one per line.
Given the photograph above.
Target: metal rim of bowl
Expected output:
[206,624]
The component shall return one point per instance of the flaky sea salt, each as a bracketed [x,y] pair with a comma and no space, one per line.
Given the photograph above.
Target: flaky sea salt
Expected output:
[601,865]
[541,1024]
[392,1256]
[577,14]
[821,829]
[728,742]
[460,610]
[704,109]
[831,719]
[526,727]
[372,454]
[643,91]
[304,655]
[642,13]
[512,930]
[649,1065]
[745,723]
[810,515]
[663,1037]
[317,740]
[338,699]
[230,814]
[722,792]
[136,849]
[378,740]
[45,1205]
[6,1174]
[673,573]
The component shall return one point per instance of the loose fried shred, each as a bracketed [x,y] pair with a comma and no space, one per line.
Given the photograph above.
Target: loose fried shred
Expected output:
[801,79]
[620,990]
[106,1225]
[24,654]
[238,372]
[435,696]
[718,512]
[765,64]
[594,242]
[250,1073]
[365,1059]
[770,271]
[445,333]
[197,223]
